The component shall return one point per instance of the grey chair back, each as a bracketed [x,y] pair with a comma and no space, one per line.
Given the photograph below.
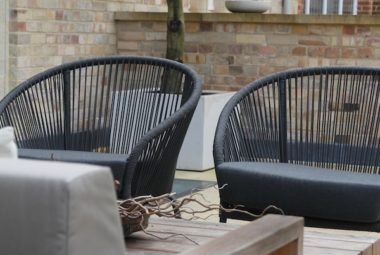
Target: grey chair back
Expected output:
[135,106]
[325,117]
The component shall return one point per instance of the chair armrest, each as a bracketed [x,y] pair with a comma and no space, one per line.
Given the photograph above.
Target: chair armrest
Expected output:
[272,234]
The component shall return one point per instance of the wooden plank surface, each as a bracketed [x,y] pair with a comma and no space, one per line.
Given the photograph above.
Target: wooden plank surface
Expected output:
[199,232]
[272,234]
[316,241]
[345,242]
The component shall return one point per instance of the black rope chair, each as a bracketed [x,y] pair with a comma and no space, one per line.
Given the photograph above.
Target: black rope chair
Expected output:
[129,113]
[306,141]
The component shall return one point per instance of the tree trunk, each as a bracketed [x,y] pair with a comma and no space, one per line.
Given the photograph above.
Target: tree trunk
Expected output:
[175,38]
[175,31]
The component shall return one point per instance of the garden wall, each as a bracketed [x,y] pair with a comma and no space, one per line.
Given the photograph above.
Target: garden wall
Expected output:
[3,46]
[226,48]
[229,50]
[45,33]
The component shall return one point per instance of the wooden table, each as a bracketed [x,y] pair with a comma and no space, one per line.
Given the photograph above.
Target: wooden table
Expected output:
[313,241]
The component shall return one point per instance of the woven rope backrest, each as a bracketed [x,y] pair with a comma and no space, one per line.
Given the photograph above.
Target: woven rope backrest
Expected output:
[325,117]
[121,100]
[105,105]
[37,114]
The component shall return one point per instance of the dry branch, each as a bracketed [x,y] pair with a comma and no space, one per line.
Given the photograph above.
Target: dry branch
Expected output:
[135,212]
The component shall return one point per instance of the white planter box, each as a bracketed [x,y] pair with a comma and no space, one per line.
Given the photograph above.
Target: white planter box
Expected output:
[196,152]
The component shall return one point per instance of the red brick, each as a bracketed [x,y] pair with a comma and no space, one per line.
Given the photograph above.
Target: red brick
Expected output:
[299,51]
[332,53]
[267,50]
[17,26]
[191,47]
[365,53]
[348,30]
[32,3]
[59,15]
[74,39]
[205,48]
[348,53]
[206,27]
[243,80]
[316,52]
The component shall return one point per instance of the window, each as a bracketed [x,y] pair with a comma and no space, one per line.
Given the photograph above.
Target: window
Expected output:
[331,7]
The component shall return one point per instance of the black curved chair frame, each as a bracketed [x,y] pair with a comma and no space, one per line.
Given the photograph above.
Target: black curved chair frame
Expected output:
[130,113]
[325,117]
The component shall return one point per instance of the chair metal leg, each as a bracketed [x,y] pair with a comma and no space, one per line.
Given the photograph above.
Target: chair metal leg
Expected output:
[177,212]
[222,216]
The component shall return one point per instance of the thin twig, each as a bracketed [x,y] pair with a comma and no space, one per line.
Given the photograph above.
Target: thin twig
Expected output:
[144,206]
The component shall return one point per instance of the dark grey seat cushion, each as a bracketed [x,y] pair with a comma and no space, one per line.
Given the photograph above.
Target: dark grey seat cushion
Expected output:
[117,162]
[302,190]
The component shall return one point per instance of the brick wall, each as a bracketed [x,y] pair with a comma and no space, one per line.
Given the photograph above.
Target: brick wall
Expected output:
[230,54]
[3,46]
[45,33]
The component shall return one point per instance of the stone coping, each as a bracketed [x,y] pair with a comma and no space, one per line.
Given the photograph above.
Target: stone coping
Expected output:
[254,18]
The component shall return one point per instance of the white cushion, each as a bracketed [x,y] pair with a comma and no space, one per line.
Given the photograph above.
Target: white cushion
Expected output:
[58,208]
[8,147]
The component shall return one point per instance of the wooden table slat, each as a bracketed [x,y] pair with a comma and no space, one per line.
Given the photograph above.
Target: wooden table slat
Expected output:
[162,246]
[154,228]
[327,251]
[193,224]
[339,236]
[146,252]
[337,244]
